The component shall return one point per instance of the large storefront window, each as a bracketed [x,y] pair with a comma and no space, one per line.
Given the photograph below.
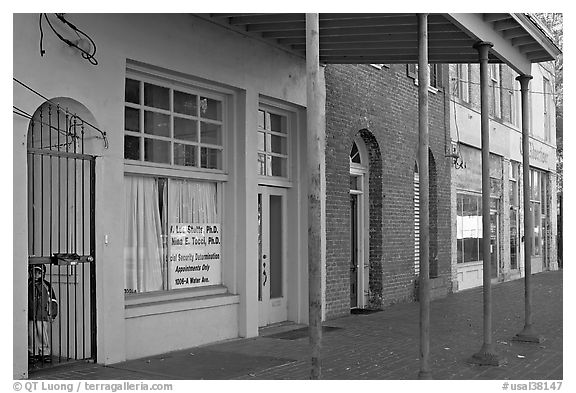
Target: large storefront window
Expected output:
[538,191]
[469,227]
[168,227]
[514,197]
[174,137]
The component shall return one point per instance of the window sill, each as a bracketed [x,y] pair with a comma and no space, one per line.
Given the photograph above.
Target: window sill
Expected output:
[180,300]
[274,181]
[468,264]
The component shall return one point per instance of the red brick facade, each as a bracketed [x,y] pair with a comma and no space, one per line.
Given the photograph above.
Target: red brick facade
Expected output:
[382,106]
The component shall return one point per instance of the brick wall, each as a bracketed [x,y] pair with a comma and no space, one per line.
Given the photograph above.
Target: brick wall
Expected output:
[381,105]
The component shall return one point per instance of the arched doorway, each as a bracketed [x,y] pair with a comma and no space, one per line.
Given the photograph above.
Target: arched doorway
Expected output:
[61,236]
[359,224]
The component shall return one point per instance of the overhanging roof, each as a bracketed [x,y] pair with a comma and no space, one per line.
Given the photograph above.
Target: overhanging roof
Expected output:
[393,38]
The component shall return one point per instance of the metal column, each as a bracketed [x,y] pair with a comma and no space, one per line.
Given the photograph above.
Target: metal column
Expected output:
[487,354]
[315,121]
[423,143]
[527,334]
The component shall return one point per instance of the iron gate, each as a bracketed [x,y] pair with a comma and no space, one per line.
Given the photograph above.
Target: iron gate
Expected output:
[61,240]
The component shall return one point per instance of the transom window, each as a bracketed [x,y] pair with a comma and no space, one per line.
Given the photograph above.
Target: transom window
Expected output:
[173,125]
[272,144]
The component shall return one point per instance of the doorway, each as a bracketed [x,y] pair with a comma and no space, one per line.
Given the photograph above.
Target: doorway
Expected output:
[272,303]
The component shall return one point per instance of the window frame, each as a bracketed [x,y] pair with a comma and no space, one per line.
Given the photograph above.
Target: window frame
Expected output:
[478,196]
[292,120]
[189,86]
[219,177]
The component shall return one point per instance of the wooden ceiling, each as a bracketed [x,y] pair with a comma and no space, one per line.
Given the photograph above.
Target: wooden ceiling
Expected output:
[380,38]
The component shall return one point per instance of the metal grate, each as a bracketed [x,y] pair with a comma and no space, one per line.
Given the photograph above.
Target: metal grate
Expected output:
[61,265]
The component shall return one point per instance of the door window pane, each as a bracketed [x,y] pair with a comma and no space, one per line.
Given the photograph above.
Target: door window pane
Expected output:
[277,123]
[278,166]
[277,144]
[276,246]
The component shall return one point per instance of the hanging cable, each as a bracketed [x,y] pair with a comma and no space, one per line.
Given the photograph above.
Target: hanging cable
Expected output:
[505,88]
[88,55]
[103,133]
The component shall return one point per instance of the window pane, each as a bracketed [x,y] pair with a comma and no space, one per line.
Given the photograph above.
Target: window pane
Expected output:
[470,249]
[131,119]
[156,124]
[210,133]
[261,139]
[279,167]
[156,151]
[185,129]
[210,109]
[185,103]
[262,164]
[132,91]
[460,253]
[185,154]
[156,96]
[131,147]
[261,119]
[277,123]
[277,144]
[210,158]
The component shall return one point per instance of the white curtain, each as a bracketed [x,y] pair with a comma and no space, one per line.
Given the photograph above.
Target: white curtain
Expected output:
[143,253]
[193,202]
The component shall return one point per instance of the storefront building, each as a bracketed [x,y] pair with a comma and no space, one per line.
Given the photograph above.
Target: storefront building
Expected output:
[164,184]
[506,175]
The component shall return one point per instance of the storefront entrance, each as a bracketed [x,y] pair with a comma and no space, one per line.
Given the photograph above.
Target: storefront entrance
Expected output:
[271,255]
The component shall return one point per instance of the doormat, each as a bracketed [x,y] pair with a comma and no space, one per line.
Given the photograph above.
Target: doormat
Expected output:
[300,333]
[363,311]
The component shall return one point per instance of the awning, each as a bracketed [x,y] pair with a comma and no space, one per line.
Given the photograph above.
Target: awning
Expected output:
[392,38]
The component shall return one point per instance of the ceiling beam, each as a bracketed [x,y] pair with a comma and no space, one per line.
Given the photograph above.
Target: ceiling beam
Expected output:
[495,17]
[522,40]
[466,43]
[469,51]
[515,33]
[389,37]
[505,24]
[445,28]
[267,18]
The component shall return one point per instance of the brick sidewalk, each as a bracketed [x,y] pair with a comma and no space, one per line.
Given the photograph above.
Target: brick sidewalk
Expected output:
[381,345]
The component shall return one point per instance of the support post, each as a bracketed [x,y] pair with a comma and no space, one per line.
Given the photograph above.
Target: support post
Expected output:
[316,124]
[423,145]
[487,354]
[527,334]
